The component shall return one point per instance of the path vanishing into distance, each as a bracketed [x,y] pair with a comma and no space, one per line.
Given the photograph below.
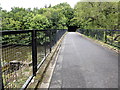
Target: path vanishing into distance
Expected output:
[84,64]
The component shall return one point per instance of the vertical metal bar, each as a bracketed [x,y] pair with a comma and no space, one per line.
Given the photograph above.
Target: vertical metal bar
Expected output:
[55,36]
[50,40]
[1,79]
[34,52]
[45,43]
[97,34]
[112,33]
[105,32]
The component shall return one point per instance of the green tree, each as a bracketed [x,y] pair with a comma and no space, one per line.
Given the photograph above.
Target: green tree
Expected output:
[97,15]
[39,22]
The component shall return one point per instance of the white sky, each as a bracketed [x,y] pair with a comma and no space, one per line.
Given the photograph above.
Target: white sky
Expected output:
[7,4]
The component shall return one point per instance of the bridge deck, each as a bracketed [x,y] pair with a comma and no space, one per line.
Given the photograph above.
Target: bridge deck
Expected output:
[84,64]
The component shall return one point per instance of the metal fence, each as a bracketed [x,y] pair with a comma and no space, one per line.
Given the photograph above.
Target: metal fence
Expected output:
[23,52]
[111,37]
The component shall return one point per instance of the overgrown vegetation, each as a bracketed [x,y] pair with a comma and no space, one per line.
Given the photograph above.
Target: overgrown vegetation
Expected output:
[86,15]
[56,17]
[96,15]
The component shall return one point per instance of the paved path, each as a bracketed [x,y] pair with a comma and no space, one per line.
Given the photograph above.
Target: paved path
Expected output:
[84,64]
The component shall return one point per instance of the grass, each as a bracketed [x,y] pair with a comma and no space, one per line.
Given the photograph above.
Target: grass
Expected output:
[17,78]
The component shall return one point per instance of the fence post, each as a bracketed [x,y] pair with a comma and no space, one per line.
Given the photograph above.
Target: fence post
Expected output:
[45,42]
[55,36]
[112,33]
[105,35]
[1,79]
[50,34]
[34,52]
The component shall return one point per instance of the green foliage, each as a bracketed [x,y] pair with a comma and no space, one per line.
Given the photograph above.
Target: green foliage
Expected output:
[56,17]
[67,11]
[10,24]
[96,15]
[39,22]
[87,15]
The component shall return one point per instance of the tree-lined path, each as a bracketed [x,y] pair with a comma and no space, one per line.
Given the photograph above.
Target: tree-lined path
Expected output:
[84,64]
[31,38]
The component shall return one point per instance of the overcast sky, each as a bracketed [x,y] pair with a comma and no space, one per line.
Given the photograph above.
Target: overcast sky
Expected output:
[7,4]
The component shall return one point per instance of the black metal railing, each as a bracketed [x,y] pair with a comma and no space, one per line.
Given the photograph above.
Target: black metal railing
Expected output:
[111,37]
[23,52]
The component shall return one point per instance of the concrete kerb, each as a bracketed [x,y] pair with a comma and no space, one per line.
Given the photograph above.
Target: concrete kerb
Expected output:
[100,43]
[49,72]
[35,83]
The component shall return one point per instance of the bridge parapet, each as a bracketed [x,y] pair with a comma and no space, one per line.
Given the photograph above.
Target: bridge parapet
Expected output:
[111,37]
[23,47]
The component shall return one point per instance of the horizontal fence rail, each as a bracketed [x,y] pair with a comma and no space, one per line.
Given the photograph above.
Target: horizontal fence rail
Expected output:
[23,52]
[111,37]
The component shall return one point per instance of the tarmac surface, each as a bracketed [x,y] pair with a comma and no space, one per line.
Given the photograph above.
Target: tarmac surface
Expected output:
[84,64]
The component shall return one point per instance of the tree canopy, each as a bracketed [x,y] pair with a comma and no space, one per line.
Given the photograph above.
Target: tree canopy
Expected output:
[87,15]
[96,15]
[56,17]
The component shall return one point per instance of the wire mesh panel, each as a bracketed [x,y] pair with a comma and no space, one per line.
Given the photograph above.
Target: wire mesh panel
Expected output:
[16,59]
[43,44]
[40,46]
[23,52]
[111,37]
[56,35]
[47,41]
[53,37]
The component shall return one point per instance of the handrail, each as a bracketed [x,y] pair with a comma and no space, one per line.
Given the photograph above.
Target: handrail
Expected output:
[15,50]
[105,35]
